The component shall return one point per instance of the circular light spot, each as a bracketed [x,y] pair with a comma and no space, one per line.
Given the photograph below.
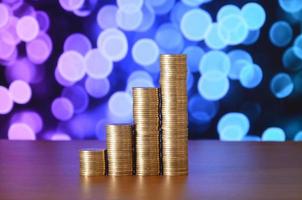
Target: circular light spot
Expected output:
[27,28]
[77,96]
[201,109]
[251,138]
[227,10]
[20,92]
[145,52]
[178,11]
[252,37]
[120,104]
[273,134]
[195,3]
[43,20]
[60,137]
[130,6]
[239,58]
[281,85]
[20,131]
[298,46]
[38,51]
[233,122]
[280,33]
[6,49]
[97,65]
[70,5]
[6,101]
[254,15]
[22,69]
[213,39]
[129,21]
[161,7]
[233,29]
[193,29]
[298,136]
[106,17]
[97,88]
[71,66]
[213,85]
[291,6]
[148,18]
[215,61]
[9,33]
[62,81]
[4,15]
[113,44]
[144,80]
[169,38]
[86,9]
[291,61]
[62,109]
[194,55]
[250,76]
[77,42]
[30,118]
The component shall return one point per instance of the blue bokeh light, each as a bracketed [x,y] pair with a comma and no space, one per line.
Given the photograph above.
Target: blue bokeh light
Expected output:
[250,76]
[252,37]
[273,134]
[233,126]
[129,21]
[97,88]
[120,105]
[213,39]
[77,96]
[233,29]
[106,17]
[145,52]
[194,55]
[213,85]
[193,29]
[251,138]
[161,7]
[139,79]
[291,61]
[254,15]
[169,39]
[148,18]
[280,33]
[215,61]
[178,11]
[195,3]
[227,10]
[239,58]
[298,46]
[281,85]
[291,6]
[298,136]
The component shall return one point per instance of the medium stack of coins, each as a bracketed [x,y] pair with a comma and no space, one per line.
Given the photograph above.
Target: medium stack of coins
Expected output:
[147,123]
[174,98]
[92,162]
[119,149]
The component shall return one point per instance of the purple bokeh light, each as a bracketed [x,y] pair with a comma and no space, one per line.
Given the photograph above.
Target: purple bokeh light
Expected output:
[31,118]
[7,103]
[13,4]
[86,8]
[106,17]
[60,137]
[61,80]
[77,96]
[38,50]
[6,50]
[71,5]
[20,91]
[22,69]
[77,42]
[21,131]
[43,20]
[97,65]
[9,32]
[27,28]
[97,88]
[4,14]
[71,66]
[62,109]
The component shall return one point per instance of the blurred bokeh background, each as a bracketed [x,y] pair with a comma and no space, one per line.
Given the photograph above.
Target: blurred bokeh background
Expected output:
[67,66]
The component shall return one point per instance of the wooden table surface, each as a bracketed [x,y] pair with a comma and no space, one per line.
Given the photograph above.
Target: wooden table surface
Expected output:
[222,171]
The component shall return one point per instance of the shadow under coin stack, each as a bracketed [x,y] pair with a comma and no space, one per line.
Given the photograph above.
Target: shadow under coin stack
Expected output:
[147,124]
[173,82]
[119,149]
[92,162]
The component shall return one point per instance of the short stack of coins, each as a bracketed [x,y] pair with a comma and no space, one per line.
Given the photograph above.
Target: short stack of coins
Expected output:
[119,149]
[174,99]
[147,124]
[92,162]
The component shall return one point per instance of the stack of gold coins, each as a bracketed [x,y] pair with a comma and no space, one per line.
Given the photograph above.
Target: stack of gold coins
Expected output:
[147,123]
[173,82]
[119,149]
[92,162]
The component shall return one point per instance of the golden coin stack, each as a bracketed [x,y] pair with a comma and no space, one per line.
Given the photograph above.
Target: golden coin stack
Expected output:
[147,123]
[173,82]
[119,149]
[92,162]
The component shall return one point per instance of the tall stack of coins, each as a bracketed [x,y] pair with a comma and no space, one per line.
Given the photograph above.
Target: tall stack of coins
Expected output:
[147,124]
[119,149]
[173,80]
[92,162]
